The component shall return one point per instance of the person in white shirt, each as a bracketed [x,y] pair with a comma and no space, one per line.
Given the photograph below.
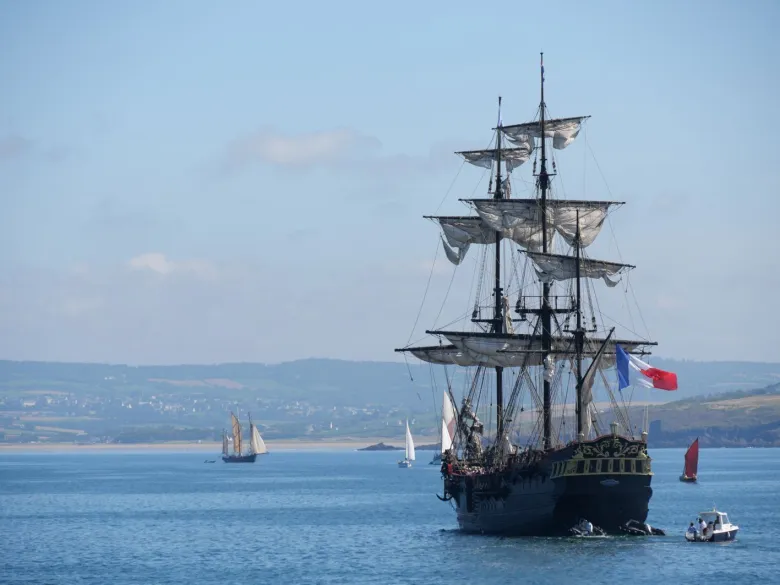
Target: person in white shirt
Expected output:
[702,526]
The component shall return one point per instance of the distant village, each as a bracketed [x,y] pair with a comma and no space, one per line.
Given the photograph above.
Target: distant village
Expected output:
[94,417]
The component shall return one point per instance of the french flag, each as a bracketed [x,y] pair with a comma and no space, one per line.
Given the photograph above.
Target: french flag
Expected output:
[653,377]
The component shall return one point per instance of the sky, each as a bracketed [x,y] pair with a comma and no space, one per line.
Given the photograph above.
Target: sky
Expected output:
[203,182]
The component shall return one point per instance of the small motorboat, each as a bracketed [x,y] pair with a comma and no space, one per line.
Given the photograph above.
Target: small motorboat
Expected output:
[585,529]
[210,461]
[719,528]
[636,528]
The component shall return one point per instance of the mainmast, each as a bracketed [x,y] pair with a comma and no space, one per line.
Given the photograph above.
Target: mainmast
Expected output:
[498,316]
[546,314]
[579,334]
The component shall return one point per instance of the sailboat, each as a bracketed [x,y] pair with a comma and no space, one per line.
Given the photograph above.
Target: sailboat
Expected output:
[562,466]
[407,462]
[448,420]
[691,463]
[256,443]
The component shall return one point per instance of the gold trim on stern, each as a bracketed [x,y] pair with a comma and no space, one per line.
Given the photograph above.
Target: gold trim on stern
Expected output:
[606,466]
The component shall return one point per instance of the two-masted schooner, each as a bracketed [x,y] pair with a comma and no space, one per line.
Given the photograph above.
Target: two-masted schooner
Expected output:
[256,443]
[571,463]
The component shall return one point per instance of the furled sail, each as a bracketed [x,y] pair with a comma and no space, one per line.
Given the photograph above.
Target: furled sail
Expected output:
[448,421]
[258,445]
[513,157]
[510,351]
[563,131]
[409,443]
[236,433]
[558,267]
[586,391]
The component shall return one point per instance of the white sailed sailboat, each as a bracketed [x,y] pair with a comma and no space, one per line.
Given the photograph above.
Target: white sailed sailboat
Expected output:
[448,421]
[407,462]
[258,445]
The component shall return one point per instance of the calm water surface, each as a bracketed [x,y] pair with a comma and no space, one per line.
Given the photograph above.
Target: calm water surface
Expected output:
[347,517]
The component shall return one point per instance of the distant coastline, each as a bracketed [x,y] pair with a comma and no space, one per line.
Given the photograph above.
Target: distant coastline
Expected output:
[203,447]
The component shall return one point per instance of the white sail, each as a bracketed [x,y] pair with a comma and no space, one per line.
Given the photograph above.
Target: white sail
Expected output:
[409,443]
[512,157]
[448,420]
[258,445]
[224,444]
[557,267]
[521,219]
[563,131]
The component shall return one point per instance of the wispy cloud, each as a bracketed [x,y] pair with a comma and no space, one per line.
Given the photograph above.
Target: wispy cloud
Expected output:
[158,263]
[272,147]
[343,150]
[14,146]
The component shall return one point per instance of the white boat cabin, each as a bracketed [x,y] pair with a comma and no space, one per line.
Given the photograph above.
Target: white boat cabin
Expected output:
[719,528]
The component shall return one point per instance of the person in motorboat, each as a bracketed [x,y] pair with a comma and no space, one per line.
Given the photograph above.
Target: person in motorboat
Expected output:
[692,530]
[585,526]
[702,526]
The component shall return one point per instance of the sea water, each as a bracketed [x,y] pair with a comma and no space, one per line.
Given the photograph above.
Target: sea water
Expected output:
[348,517]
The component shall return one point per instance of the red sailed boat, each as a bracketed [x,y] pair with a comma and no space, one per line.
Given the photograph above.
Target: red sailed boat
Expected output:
[691,462]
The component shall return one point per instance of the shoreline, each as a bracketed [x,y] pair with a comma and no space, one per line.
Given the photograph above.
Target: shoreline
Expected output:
[185,446]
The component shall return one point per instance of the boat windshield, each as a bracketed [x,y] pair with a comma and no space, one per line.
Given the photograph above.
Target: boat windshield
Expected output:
[724,518]
[709,517]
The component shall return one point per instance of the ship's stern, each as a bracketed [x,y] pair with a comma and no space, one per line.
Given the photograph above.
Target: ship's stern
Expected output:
[607,481]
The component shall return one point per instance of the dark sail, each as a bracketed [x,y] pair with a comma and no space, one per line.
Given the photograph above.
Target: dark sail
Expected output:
[691,462]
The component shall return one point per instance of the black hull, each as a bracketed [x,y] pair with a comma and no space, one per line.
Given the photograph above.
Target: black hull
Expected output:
[549,495]
[239,458]
[685,479]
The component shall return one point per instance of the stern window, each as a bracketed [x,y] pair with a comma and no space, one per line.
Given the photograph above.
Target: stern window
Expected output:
[605,466]
[580,466]
[593,466]
[628,465]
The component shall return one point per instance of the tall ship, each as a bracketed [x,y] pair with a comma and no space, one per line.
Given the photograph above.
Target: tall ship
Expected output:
[533,336]
[256,443]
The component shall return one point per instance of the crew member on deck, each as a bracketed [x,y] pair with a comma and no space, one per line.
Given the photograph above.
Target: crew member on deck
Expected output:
[702,526]
[692,529]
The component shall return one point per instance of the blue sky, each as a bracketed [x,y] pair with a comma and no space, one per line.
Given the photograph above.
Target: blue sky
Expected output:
[194,181]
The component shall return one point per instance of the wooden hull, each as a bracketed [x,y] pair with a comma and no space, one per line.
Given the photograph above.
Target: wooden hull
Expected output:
[606,481]
[239,458]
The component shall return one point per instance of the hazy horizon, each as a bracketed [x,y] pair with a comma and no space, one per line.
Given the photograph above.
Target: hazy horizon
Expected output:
[194,183]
